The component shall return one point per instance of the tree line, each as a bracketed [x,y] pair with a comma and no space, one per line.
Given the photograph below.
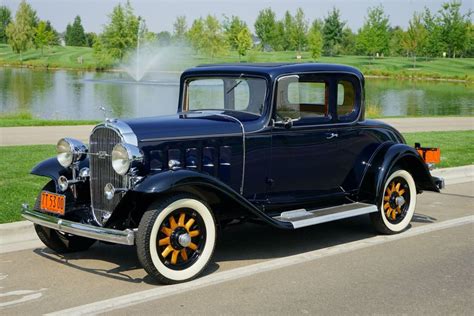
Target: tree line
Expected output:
[443,33]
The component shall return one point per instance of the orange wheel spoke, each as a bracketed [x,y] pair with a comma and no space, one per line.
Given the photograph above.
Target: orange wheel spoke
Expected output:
[386,198]
[184,255]
[194,233]
[164,241]
[397,187]
[167,251]
[193,246]
[401,192]
[174,257]
[386,206]
[173,224]
[388,212]
[166,231]
[189,223]
[399,210]
[181,219]
[394,214]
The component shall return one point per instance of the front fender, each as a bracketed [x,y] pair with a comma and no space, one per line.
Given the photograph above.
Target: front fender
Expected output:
[169,181]
[52,169]
[392,155]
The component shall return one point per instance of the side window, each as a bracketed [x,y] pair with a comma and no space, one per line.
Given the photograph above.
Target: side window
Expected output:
[302,98]
[346,101]
[206,94]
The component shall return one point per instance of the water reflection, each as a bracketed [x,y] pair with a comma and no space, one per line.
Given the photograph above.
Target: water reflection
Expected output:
[77,95]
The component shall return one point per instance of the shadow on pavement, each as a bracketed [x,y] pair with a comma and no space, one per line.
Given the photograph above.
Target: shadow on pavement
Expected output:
[236,244]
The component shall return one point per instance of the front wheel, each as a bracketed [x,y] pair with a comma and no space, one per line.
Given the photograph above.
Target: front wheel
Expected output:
[397,204]
[176,239]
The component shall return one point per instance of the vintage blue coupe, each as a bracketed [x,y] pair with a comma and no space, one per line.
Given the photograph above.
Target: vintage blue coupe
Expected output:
[283,144]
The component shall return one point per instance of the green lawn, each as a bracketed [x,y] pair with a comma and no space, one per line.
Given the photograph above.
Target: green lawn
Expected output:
[398,67]
[55,57]
[18,186]
[26,119]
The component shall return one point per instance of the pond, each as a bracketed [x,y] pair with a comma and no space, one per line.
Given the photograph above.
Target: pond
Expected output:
[77,95]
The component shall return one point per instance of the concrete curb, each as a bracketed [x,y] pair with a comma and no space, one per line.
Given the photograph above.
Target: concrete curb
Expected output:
[21,235]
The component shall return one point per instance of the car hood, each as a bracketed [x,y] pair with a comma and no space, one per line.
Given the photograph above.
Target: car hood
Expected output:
[185,126]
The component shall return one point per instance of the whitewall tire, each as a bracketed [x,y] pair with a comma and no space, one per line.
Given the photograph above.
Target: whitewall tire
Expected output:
[176,239]
[397,203]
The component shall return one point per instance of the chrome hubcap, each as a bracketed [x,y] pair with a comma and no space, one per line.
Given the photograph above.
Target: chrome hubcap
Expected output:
[400,200]
[184,240]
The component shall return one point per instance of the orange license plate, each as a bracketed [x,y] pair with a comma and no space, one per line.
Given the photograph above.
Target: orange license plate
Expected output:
[53,203]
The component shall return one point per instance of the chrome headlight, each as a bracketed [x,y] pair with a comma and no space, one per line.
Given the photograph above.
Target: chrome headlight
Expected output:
[69,151]
[125,157]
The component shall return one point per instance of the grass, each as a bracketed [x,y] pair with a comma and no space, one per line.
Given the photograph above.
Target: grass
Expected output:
[26,119]
[397,67]
[457,148]
[18,186]
[55,57]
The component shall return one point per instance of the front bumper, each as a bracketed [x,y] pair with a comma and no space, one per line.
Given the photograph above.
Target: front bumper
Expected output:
[124,237]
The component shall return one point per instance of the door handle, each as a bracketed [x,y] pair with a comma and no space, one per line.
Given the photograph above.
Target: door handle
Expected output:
[331,135]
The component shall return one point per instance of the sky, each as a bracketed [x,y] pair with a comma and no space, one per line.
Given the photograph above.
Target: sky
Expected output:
[160,14]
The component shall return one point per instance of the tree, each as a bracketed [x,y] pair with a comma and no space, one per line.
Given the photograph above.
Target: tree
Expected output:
[265,26]
[207,36]
[300,30]
[315,42]
[332,32]
[121,33]
[164,38]
[75,35]
[179,29]
[54,33]
[454,27]
[374,35]
[414,39]
[43,37]
[232,28]
[348,42]
[196,34]
[5,19]
[91,38]
[395,46]
[214,39]
[244,42]
[288,33]
[435,45]
[21,31]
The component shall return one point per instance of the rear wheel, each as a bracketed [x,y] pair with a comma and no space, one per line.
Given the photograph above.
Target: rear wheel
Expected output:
[397,204]
[58,241]
[176,239]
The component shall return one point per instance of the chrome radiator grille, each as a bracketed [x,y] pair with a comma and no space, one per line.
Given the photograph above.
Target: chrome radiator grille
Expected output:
[101,143]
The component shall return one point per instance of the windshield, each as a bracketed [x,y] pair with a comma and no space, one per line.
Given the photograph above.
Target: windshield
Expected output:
[226,93]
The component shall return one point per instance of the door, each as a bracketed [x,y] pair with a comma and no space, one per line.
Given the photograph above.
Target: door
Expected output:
[304,142]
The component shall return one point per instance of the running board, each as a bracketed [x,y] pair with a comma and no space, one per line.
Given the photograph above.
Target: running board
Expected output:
[302,217]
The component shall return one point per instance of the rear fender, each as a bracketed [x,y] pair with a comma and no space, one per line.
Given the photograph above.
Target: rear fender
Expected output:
[203,185]
[390,156]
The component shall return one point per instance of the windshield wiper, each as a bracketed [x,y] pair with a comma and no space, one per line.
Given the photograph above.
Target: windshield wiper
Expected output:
[235,85]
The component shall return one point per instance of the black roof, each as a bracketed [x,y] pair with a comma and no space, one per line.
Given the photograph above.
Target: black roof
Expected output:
[271,69]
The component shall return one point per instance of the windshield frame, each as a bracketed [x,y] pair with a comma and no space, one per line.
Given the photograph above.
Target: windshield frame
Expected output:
[183,106]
